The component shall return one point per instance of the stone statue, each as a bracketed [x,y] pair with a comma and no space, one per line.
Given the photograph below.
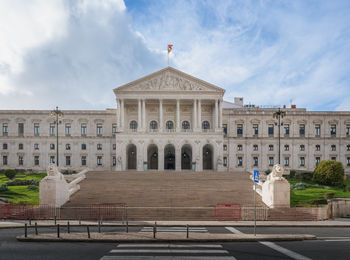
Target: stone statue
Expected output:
[276,174]
[52,171]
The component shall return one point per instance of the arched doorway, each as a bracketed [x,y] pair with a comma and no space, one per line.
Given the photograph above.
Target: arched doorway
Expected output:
[131,157]
[186,157]
[169,157]
[207,157]
[152,157]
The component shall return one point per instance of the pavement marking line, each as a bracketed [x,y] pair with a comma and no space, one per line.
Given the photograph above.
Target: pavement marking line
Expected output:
[271,245]
[169,245]
[337,240]
[167,251]
[167,258]
[175,229]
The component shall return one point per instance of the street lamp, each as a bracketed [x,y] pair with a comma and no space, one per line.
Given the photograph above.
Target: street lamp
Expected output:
[57,114]
[278,115]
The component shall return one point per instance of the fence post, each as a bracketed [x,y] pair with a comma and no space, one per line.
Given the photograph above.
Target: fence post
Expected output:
[30,221]
[80,221]
[36,228]
[154,229]
[68,227]
[25,230]
[127,227]
[58,230]
[55,219]
[187,231]
[99,226]
[88,231]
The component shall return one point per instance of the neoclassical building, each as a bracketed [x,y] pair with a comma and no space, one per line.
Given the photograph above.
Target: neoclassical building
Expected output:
[170,120]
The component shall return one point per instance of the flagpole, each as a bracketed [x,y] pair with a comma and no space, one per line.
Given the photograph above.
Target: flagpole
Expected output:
[168,58]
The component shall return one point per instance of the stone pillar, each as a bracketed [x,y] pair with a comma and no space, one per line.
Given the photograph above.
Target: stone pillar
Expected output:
[216,119]
[177,158]
[118,113]
[194,116]
[143,115]
[177,115]
[220,115]
[199,115]
[122,114]
[160,116]
[160,158]
[139,120]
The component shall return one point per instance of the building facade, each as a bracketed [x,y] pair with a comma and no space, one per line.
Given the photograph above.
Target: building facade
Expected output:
[170,120]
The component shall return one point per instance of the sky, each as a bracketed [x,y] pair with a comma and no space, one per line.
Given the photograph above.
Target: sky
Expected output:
[73,53]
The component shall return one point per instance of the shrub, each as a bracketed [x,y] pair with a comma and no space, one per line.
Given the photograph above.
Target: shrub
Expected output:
[10,173]
[329,195]
[306,176]
[32,187]
[3,187]
[17,182]
[319,201]
[292,173]
[329,173]
[299,186]
[268,171]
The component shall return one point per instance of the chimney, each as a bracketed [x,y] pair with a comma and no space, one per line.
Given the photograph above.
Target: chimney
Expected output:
[238,101]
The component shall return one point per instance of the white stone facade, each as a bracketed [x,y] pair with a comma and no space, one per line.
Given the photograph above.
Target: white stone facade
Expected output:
[171,120]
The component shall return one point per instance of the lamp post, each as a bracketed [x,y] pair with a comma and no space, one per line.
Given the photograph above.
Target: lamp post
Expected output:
[57,114]
[278,115]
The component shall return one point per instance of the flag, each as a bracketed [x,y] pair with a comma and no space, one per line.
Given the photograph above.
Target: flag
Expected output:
[170,48]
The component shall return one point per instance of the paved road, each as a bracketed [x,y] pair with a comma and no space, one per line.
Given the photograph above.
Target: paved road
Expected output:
[334,243]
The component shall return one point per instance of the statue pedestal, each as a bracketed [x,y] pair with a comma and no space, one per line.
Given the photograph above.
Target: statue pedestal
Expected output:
[53,191]
[276,193]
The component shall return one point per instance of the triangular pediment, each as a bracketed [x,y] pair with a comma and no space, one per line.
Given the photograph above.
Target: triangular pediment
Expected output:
[169,80]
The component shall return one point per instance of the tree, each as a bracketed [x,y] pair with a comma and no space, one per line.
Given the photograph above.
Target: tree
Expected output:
[10,173]
[329,173]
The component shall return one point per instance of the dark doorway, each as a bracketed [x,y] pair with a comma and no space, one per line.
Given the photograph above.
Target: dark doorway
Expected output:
[152,157]
[186,157]
[207,157]
[169,157]
[131,156]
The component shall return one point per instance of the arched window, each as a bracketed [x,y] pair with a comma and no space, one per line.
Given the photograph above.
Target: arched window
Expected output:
[133,125]
[205,125]
[153,125]
[169,125]
[185,125]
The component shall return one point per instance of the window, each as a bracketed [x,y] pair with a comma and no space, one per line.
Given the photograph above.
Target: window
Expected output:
[20,146]
[256,161]
[52,146]
[52,129]
[225,161]
[270,147]
[67,146]
[36,129]
[186,125]
[302,147]
[333,130]
[52,159]
[302,130]
[317,130]
[255,147]
[20,160]
[286,147]
[348,147]
[239,147]
[224,128]
[5,129]
[302,161]
[286,161]
[270,130]
[347,130]
[83,146]
[4,160]
[36,160]
[286,130]
[36,146]
[99,129]
[255,130]
[68,129]
[153,125]
[67,160]
[99,146]
[318,147]
[99,160]
[239,161]
[21,129]
[271,161]
[114,147]
[333,147]
[205,125]
[169,125]
[317,160]
[114,129]
[334,158]
[348,161]
[239,130]
[83,160]
[83,129]
[4,146]
[133,125]
[114,161]
[225,147]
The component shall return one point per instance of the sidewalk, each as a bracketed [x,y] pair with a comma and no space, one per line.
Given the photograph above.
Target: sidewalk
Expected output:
[327,223]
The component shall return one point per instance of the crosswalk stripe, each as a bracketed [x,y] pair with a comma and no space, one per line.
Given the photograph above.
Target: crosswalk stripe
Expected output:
[169,245]
[174,250]
[167,258]
[167,229]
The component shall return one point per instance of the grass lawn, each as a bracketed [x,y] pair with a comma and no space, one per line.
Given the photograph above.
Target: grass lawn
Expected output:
[306,196]
[21,194]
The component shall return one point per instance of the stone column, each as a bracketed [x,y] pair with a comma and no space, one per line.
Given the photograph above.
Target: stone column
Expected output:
[216,119]
[177,158]
[118,113]
[177,115]
[139,120]
[160,116]
[194,116]
[220,114]
[122,114]
[143,115]
[199,114]
[160,157]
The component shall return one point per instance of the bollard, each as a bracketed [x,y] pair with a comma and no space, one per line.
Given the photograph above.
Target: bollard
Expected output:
[68,227]
[187,231]
[55,219]
[58,230]
[80,221]
[36,228]
[154,229]
[127,227]
[30,222]
[99,226]
[88,231]
[25,230]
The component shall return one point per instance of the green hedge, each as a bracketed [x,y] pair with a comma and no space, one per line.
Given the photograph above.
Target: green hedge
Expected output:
[17,182]
[329,173]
